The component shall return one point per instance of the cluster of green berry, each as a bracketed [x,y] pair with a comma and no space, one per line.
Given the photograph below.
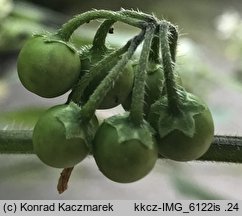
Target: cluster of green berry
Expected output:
[160,118]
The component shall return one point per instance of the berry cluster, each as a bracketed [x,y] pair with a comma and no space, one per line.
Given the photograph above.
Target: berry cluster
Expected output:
[161,116]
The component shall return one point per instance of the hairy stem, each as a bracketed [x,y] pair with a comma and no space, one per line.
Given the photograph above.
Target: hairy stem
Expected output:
[101,34]
[222,149]
[104,87]
[68,28]
[170,80]
[137,104]
[154,55]
[90,75]
[173,39]
[139,15]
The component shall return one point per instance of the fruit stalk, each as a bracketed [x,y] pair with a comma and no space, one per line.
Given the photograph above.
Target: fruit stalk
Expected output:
[85,80]
[101,34]
[140,15]
[154,55]
[168,66]
[68,28]
[136,112]
[173,38]
[103,88]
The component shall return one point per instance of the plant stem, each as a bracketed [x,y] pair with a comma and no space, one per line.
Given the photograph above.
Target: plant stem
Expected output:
[173,39]
[98,47]
[101,34]
[137,105]
[223,148]
[104,87]
[139,15]
[68,28]
[155,47]
[89,75]
[170,80]
[16,142]
[154,55]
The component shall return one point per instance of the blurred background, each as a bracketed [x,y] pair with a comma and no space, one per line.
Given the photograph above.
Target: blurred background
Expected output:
[209,61]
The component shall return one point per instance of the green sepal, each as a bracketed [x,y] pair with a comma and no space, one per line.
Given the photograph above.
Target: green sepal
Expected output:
[70,117]
[90,129]
[167,121]
[126,130]
[50,38]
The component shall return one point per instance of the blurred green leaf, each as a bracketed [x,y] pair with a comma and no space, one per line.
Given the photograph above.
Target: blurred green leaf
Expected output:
[23,118]
[193,190]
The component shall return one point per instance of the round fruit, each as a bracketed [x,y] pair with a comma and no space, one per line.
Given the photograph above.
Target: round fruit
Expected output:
[178,146]
[119,91]
[48,68]
[124,152]
[58,140]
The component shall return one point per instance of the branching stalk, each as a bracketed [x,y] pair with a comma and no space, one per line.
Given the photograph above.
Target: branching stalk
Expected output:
[139,15]
[91,74]
[68,28]
[101,34]
[104,87]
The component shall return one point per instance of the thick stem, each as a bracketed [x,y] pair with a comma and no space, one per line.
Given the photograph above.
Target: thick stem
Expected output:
[90,75]
[222,149]
[68,28]
[101,34]
[104,87]
[170,80]
[16,142]
[136,112]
